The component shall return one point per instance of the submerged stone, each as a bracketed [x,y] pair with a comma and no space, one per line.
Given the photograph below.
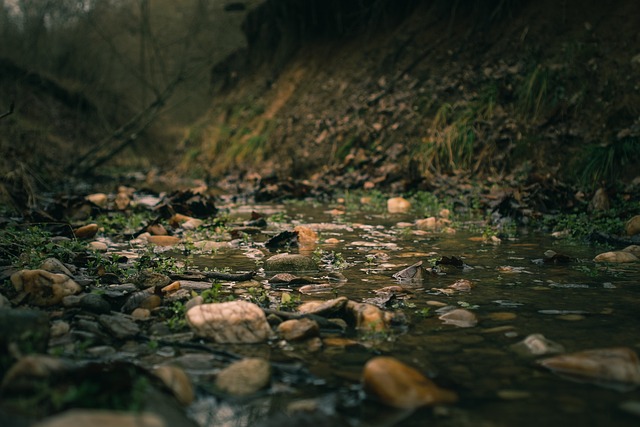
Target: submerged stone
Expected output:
[244,377]
[459,317]
[176,379]
[537,345]
[398,385]
[289,263]
[605,366]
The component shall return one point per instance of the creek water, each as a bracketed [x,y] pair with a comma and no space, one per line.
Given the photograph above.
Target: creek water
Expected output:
[579,305]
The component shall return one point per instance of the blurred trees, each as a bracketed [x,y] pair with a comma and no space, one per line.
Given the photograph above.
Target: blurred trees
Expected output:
[125,56]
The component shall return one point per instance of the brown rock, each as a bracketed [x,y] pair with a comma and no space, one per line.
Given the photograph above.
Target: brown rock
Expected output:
[229,322]
[122,200]
[157,230]
[369,318]
[324,308]
[98,199]
[616,256]
[163,240]
[98,246]
[600,201]
[306,236]
[614,365]
[632,227]
[634,249]
[298,329]
[427,224]
[395,384]
[460,317]
[462,285]
[44,288]
[86,231]
[398,205]
[177,381]
[244,377]
[184,221]
[102,418]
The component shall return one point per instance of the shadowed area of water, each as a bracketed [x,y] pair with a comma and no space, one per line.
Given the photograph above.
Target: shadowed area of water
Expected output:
[580,305]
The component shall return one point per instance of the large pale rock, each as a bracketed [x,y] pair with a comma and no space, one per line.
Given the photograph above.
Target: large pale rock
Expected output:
[244,377]
[616,256]
[398,205]
[633,249]
[229,322]
[601,366]
[98,199]
[289,263]
[459,317]
[632,227]
[298,329]
[176,379]
[395,384]
[44,288]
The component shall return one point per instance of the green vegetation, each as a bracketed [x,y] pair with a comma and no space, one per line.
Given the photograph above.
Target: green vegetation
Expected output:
[28,247]
[607,162]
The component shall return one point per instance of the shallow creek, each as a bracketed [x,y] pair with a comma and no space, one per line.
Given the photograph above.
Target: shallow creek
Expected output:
[579,305]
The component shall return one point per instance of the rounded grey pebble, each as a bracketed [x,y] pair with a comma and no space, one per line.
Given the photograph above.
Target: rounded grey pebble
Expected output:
[95,304]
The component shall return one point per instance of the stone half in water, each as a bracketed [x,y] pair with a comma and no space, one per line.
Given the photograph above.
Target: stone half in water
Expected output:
[617,368]
[413,273]
[398,385]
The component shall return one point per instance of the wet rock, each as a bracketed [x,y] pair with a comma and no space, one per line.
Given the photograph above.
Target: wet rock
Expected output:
[141,299]
[102,418]
[98,199]
[462,285]
[151,279]
[244,377]
[289,263]
[616,256]
[184,221]
[44,288]
[95,303]
[98,246]
[307,238]
[632,227]
[398,385]
[631,407]
[53,265]
[537,345]
[413,273]
[119,325]
[369,318]
[600,201]
[157,230]
[177,381]
[633,249]
[229,322]
[459,317]
[427,224]
[86,231]
[163,240]
[29,367]
[141,313]
[614,367]
[398,205]
[298,329]
[324,308]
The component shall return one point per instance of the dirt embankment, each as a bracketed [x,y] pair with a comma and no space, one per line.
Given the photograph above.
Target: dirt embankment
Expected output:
[393,96]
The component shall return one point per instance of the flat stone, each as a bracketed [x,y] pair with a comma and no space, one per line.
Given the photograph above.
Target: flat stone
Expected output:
[95,303]
[298,329]
[398,385]
[537,345]
[244,377]
[229,322]
[459,317]
[324,308]
[599,366]
[290,263]
[616,256]
[98,246]
[44,288]
[119,325]
[163,240]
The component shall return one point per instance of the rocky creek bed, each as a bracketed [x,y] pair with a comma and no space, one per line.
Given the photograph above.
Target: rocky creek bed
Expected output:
[169,309]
